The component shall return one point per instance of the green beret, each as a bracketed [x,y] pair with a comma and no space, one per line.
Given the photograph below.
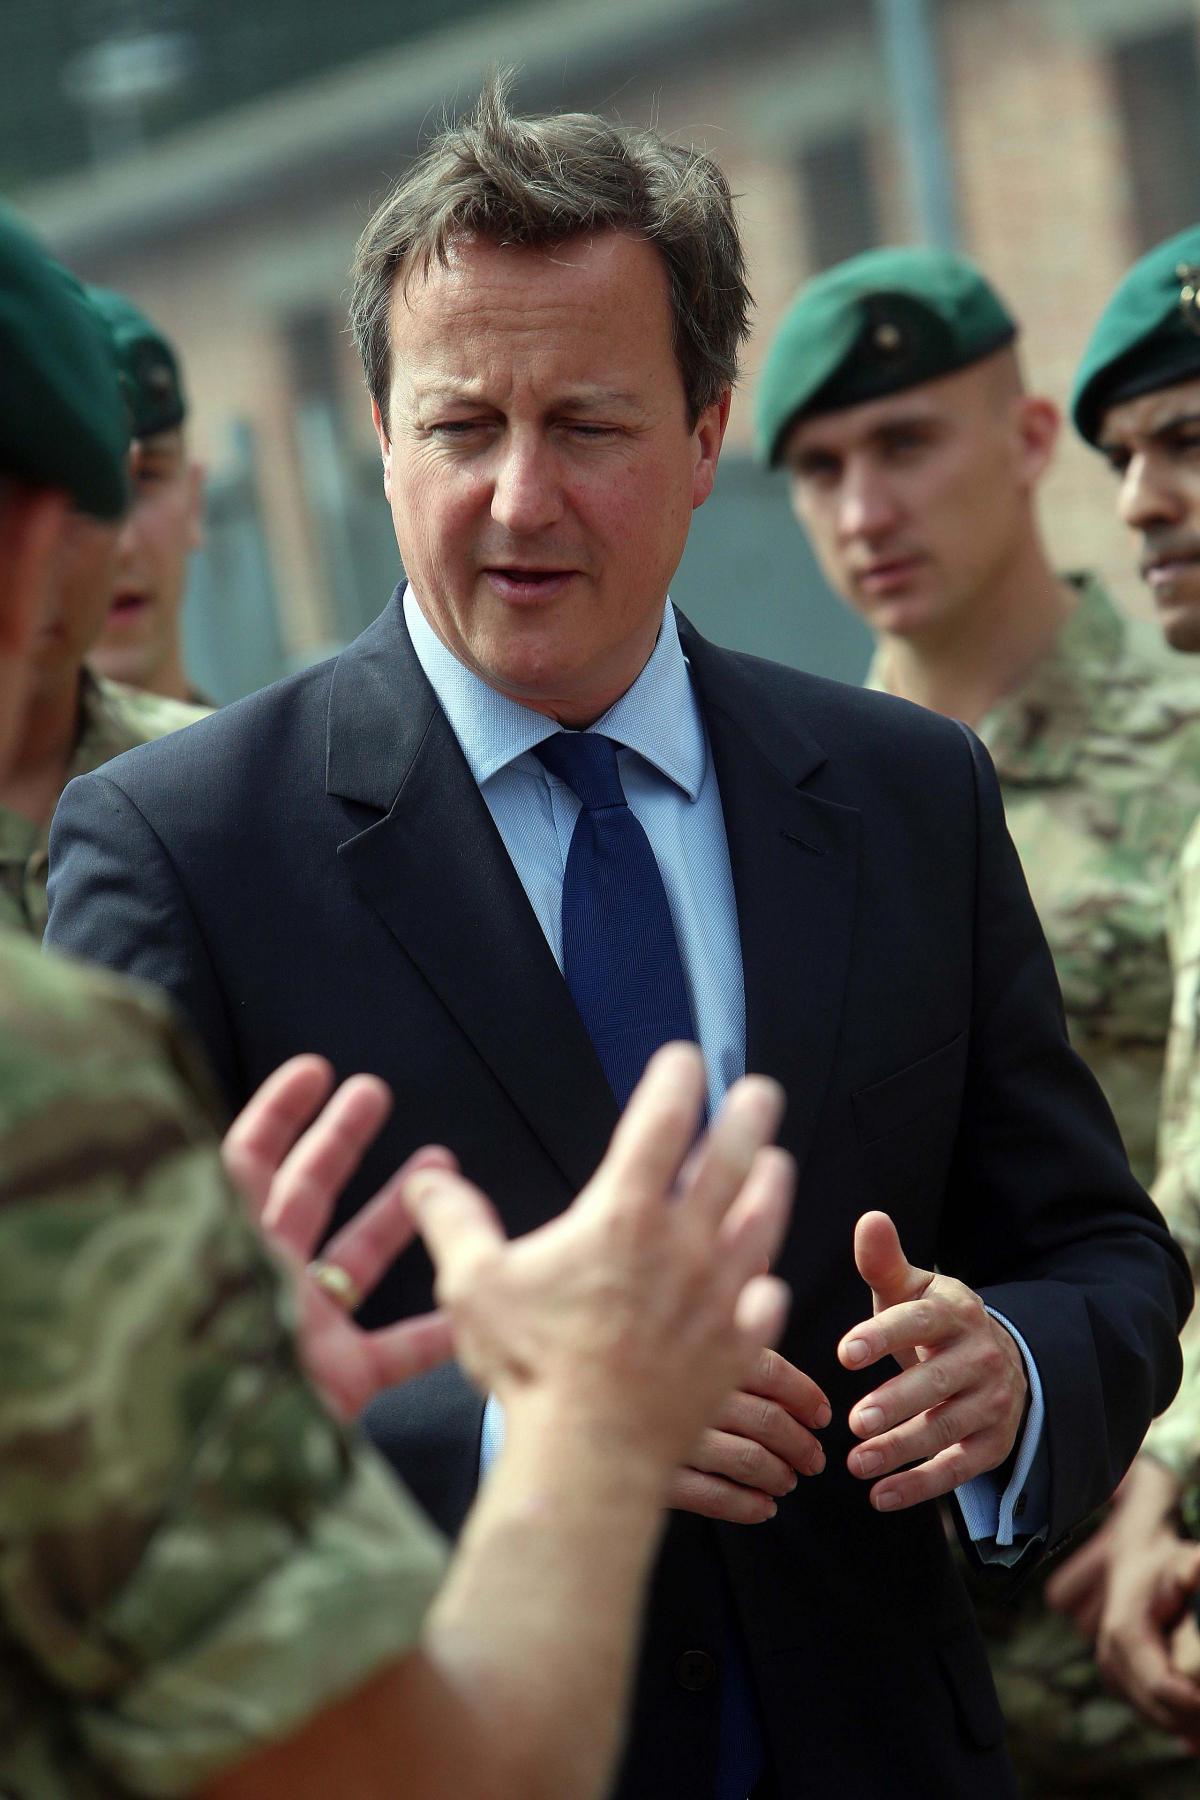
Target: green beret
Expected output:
[63,423]
[1147,337]
[877,324]
[149,370]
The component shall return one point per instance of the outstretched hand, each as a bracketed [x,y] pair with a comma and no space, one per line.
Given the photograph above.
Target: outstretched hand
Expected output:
[645,1302]
[290,1152]
[955,1410]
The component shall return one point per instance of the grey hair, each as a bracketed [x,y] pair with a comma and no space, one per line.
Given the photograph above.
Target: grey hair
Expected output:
[536,182]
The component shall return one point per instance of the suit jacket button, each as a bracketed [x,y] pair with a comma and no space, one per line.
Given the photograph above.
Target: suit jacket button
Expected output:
[695,1670]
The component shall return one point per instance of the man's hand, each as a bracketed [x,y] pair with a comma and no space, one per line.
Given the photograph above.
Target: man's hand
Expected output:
[290,1152]
[1151,1584]
[644,1304]
[956,1409]
[756,1446]
[1079,1584]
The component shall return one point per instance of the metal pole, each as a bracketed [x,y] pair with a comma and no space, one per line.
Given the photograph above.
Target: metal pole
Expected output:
[910,52]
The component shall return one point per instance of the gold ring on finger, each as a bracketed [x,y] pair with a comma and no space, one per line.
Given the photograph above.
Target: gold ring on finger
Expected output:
[340,1286]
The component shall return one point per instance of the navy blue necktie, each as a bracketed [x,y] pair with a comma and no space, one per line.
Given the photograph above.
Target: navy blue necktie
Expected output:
[620,957]
[621,962]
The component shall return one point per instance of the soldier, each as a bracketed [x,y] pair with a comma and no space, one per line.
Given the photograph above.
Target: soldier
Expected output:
[893,398]
[140,643]
[75,719]
[207,1584]
[1137,400]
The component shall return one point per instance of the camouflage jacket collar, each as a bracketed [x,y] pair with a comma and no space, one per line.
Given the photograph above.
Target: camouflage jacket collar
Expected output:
[1035,733]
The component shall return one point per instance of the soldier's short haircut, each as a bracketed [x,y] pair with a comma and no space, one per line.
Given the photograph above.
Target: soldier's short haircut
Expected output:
[537,182]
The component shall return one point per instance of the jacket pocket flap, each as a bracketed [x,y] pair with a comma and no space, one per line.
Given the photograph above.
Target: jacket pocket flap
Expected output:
[887,1104]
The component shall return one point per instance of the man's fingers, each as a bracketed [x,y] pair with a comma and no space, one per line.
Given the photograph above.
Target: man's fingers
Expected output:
[712,1497]
[410,1348]
[657,1129]
[749,1236]
[899,1330]
[1140,1668]
[934,1382]
[941,1474]
[882,1263]
[369,1243]
[312,1176]
[968,1421]
[743,1460]
[270,1122]
[1079,1581]
[761,1313]
[773,1377]
[456,1220]
[745,1125]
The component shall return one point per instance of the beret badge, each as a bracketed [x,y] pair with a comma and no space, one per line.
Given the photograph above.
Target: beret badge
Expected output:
[1189,294]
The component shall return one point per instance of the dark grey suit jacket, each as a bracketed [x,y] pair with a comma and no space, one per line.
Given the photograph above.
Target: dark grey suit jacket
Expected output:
[314,869]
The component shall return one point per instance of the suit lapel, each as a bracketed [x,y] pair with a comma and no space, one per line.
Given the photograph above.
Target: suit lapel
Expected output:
[431,863]
[794,858]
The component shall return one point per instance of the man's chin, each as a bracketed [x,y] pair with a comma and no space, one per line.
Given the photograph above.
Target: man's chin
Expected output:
[1180,621]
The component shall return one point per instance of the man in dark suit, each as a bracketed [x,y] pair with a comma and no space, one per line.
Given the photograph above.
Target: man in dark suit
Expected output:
[530,823]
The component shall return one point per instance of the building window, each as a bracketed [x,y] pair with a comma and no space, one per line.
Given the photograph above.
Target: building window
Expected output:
[839,198]
[1157,83]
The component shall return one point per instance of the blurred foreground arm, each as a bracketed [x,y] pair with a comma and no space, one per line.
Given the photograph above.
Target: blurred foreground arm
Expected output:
[610,1336]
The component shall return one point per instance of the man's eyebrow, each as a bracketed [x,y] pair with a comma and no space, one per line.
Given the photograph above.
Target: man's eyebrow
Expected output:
[598,396]
[1164,428]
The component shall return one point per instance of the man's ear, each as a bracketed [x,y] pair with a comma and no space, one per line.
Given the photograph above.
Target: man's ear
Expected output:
[385,447]
[709,436]
[1038,422]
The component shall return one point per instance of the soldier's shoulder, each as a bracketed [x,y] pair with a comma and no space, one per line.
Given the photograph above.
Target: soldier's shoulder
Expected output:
[67,1029]
[144,717]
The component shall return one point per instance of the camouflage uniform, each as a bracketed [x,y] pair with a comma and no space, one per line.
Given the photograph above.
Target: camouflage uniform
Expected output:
[1175,1438]
[194,1557]
[111,719]
[1098,754]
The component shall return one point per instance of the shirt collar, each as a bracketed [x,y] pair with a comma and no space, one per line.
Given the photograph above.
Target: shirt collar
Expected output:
[657,717]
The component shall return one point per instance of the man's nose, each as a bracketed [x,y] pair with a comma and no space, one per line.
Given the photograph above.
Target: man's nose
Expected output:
[1148,494]
[866,506]
[527,491]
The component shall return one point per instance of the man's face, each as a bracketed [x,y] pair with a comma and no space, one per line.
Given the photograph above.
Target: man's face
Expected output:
[32,524]
[82,590]
[1153,443]
[540,465]
[913,503]
[162,529]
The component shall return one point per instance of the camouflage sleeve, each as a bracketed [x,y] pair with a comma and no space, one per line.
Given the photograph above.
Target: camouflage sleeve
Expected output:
[1174,1439]
[193,1555]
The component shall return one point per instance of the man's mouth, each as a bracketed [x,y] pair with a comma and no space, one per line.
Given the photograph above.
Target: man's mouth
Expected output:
[887,573]
[127,605]
[1163,569]
[518,583]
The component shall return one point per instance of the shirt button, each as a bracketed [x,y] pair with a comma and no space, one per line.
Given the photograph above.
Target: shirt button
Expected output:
[695,1670]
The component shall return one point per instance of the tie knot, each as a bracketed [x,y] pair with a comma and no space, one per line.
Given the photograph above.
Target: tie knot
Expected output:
[587,763]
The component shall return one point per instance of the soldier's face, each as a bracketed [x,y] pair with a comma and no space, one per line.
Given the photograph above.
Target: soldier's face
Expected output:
[1153,443]
[32,524]
[82,592]
[915,503]
[160,532]
[540,464]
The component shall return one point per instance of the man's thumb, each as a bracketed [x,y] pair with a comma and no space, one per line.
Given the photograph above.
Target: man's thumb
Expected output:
[880,1260]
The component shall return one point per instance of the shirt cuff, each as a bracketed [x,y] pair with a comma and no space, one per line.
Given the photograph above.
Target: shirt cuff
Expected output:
[995,1520]
[491,1440]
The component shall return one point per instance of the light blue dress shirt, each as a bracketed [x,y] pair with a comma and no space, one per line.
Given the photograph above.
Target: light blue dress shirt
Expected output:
[667,772]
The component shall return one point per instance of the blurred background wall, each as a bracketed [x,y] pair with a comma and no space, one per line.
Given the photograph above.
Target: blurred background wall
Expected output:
[217,161]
